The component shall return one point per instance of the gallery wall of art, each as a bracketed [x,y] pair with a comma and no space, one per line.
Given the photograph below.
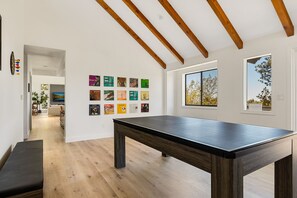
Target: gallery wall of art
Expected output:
[118,95]
[101,49]
[11,86]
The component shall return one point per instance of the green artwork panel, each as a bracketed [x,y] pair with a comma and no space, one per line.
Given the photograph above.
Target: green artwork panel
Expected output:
[145,83]
[108,81]
[133,95]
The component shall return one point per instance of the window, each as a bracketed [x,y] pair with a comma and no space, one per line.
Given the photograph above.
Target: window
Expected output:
[258,83]
[201,88]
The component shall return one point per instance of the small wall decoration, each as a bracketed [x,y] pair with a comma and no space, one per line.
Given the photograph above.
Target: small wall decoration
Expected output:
[133,108]
[133,95]
[44,87]
[134,82]
[122,95]
[94,110]
[109,109]
[145,83]
[109,95]
[12,63]
[145,95]
[17,66]
[94,94]
[122,82]
[122,108]
[108,81]
[145,108]
[94,80]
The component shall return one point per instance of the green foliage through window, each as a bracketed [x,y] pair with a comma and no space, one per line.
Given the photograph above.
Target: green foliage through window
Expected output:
[201,88]
[259,82]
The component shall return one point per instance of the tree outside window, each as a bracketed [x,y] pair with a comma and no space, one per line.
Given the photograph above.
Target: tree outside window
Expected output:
[259,83]
[201,88]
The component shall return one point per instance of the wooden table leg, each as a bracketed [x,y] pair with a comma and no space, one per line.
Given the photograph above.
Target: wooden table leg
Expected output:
[283,178]
[119,149]
[226,178]
[285,173]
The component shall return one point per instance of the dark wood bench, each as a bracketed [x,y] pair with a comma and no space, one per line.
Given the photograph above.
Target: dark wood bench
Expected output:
[22,173]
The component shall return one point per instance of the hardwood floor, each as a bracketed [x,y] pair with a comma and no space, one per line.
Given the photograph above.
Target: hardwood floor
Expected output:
[85,169]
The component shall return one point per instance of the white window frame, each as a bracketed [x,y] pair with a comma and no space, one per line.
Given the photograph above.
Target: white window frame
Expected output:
[244,102]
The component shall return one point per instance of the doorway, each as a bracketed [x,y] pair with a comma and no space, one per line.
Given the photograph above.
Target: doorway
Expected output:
[44,91]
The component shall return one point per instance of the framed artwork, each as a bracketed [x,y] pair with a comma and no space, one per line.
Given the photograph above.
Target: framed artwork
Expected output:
[94,94]
[122,108]
[0,42]
[109,109]
[145,108]
[133,95]
[94,109]
[145,83]
[94,80]
[133,108]
[134,82]
[44,87]
[122,82]
[109,95]
[122,95]
[12,63]
[108,81]
[145,95]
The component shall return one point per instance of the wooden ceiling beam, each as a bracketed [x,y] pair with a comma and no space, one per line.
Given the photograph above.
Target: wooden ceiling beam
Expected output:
[131,32]
[180,22]
[150,26]
[283,16]
[214,4]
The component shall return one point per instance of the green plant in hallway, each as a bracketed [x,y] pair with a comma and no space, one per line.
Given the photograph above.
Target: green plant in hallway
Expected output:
[40,100]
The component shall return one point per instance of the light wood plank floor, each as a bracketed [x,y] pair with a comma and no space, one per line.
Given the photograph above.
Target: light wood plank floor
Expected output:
[85,169]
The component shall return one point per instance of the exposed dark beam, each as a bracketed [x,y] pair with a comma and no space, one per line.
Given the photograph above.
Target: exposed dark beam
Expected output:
[226,22]
[131,32]
[180,22]
[150,26]
[283,16]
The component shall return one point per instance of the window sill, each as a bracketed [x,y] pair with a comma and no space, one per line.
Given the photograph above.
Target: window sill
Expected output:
[263,113]
[200,107]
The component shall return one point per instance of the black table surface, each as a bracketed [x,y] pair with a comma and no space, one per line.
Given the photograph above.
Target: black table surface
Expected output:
[225,138]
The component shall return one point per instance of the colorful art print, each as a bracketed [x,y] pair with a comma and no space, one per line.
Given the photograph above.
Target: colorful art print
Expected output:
[122,95]
[145,83]
[133,108]
[133,95]
[94,80]
[122,82]
[94,110]
[108,81]
[122,108]
[145,95]
[134,82]
[94,94]
[109,95]
[145,108]
[109,109]
[44,87]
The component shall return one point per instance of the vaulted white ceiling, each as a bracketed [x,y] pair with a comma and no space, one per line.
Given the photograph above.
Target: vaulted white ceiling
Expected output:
[251,19]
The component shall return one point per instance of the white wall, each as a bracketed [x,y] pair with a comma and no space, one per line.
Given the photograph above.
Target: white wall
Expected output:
[230,77]
[94,44]
[11,90]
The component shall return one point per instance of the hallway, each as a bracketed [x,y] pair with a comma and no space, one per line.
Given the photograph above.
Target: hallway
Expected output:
[85,169]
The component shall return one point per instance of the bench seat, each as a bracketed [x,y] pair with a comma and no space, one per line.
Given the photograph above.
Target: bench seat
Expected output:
[22,174]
